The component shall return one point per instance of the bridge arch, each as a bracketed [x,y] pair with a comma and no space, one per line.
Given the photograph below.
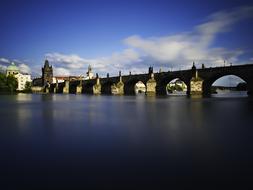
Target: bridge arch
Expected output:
[88,87]
[207,84]
[130,86]
[72,86]
[162,84]
[140,88]
[106,87]
[176,86]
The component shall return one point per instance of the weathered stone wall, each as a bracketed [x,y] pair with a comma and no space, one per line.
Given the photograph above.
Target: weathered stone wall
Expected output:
[118,89]
[196,86]
[37,89]
[157,84]
[79,89]
[97,87]
[151,86]
[66,87]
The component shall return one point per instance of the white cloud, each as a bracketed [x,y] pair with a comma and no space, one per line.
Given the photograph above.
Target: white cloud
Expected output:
[4,60]
[23,68]
[3,64]
[59,71]
[182,49]
[75,65]
[172,51]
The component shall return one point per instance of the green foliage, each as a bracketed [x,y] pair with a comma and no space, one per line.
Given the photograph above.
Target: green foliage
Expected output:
[28,87]
[8,84]
[12,83]
[175,87]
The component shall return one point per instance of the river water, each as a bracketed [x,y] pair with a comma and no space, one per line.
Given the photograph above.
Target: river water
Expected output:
[71,141]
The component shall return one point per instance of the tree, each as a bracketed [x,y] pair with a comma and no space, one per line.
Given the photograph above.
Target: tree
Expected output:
[3,84]
[8,84]
[12,83]
[28,87]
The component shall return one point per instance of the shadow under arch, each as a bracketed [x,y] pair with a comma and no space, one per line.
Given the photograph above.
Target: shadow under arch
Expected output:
[72,86]
[88,88]
[106,87]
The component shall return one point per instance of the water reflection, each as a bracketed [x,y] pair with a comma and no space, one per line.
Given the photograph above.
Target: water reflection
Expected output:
[132,138]
[230,94]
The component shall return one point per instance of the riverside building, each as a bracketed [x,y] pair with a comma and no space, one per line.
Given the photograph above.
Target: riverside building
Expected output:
[21,78]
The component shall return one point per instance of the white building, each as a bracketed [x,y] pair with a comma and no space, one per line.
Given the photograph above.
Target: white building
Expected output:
[21,78]
[12,69]
[89,74]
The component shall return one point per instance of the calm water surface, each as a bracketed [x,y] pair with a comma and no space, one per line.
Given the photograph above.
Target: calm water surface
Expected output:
[71,141]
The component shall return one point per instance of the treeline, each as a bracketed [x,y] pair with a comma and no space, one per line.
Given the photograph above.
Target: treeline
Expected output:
[8,84]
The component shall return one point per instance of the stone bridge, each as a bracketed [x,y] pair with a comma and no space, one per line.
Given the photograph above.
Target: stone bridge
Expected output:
[198,81]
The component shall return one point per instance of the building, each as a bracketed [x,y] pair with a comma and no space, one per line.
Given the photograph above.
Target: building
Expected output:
[47,74]
[12,69]
[21,78]
[60,79]
[47,78]
[89,74]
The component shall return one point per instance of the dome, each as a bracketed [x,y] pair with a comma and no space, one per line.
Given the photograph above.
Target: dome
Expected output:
[12,67]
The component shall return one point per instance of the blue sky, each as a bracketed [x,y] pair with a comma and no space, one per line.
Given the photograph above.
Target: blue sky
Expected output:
[114,35]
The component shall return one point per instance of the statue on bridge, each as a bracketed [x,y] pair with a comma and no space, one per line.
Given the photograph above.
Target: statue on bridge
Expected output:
[150,70]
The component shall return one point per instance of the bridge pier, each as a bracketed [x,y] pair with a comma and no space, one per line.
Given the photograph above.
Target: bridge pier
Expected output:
[55,90]
[47,90]
[97,87]
[118,89]
[79,88]
[56,87]
[151,86]
[66,87]
[250,89]
[196,85]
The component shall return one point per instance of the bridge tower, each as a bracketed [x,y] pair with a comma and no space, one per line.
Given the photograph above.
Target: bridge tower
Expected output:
[47,74]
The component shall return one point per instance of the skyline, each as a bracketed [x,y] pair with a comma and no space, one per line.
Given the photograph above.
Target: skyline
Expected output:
[126,36]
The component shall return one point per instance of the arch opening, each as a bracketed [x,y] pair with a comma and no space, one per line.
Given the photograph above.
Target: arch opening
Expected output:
[139,88]
[229,86]
[176,87]
[106,88]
